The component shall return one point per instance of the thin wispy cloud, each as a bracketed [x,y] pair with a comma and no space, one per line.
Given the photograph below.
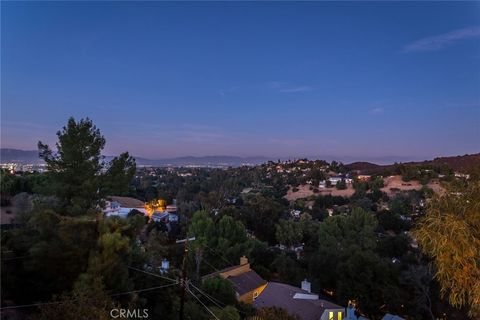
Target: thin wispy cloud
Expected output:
[284,87]
[296,89]
[376,111]
[443,40]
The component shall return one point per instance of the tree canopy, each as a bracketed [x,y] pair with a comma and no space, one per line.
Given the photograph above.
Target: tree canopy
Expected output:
[80,177]
[450,234]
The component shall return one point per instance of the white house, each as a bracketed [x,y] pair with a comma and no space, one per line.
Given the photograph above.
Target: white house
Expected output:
[121,206]
[295,213]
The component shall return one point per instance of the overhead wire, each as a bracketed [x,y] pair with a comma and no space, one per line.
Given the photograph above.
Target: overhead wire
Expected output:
[201,302]
[111,295]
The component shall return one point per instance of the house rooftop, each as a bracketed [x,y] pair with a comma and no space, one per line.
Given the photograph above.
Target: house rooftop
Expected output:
[389,316]
[246,282]
[128,202]
[282,295]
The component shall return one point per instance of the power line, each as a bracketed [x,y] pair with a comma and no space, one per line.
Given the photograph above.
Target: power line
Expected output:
[220,255]
[143,290]
[15,258]
[153,274]
[183,281]
[33,305]
[203,304]
[226,260]
[111,295]
[216,302]
[204,260]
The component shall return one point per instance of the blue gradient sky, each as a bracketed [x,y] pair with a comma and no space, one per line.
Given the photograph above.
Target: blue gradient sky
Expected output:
[273,79]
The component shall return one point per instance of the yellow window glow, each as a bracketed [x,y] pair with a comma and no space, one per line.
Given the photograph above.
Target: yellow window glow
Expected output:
[330,315]
[340,315]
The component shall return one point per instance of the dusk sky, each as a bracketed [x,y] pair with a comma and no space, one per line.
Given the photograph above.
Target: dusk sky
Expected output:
[277,79]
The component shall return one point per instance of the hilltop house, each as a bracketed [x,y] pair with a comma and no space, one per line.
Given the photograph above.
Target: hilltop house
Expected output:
[333,181]
[121,206]
[364,177]
[299,301]
[248,285]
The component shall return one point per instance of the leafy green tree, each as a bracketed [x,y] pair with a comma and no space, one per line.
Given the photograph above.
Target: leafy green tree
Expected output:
[220,289]
[9,186]
[366,279]
[390,221]
[223,242]
[70,243]
[409,173]
[112,256]
[231,239]
[376,183]
[156,247]
[261,214]
[288,232]
[227,313]
[341,185]
[77,169]
[261,257]
[119,174]
[309,228]
[450,234]
[400,205]
[203,229]
[81,304]
[288,269]
[275,313]
[394,246]
[349,233]
[194,311]
[56,251]
[347,243]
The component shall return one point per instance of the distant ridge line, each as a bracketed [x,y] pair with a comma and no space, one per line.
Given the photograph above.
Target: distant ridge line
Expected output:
[459,163]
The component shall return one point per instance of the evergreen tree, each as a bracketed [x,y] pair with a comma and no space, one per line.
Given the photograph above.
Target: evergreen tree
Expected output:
[76,166]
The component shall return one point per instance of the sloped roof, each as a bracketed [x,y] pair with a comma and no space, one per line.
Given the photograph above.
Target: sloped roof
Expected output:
[218,272]
[246,282]
[281,295]
[389,316]
[128,202]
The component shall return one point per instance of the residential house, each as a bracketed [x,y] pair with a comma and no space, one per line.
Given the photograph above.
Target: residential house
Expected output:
[121,206]
[335,179]
[168,216]
[164,216]
[364,177]
[248,285]
[299,301]
[295,213]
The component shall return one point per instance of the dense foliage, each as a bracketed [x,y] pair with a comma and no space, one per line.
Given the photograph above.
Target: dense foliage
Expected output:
[64,252]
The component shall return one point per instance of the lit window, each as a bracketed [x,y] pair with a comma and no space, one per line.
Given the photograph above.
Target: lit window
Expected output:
[330,315]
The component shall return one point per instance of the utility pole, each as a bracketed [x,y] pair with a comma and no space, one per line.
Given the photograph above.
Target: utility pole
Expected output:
[183,280]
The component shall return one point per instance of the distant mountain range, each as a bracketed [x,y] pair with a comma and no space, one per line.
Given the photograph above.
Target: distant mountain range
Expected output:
[458,163]
[20,156]
[31,156]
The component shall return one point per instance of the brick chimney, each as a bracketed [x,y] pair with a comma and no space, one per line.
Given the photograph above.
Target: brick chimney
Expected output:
[243,260]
